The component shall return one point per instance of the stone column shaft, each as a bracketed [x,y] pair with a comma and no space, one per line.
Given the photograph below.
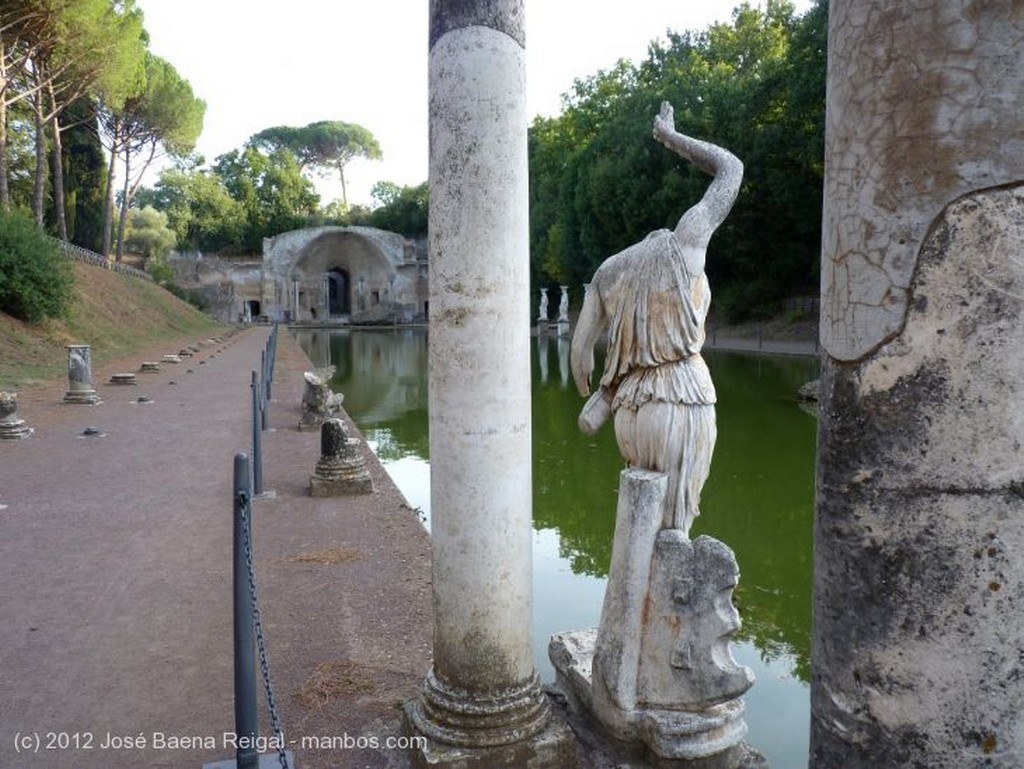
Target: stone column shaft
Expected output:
[80,389]
[918,531]
[482,694]
[481,484]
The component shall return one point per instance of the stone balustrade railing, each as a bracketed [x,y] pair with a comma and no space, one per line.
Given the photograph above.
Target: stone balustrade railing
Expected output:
[91,257]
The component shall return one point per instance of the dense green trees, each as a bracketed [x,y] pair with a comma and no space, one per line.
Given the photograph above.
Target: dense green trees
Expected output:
[399,209]
[260,190]
[146,232]
[274,195]
[200,210]
[69,66]
[599,182]
[54,55]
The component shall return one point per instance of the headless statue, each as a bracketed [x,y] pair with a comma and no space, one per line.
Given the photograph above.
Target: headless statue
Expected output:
[653,297]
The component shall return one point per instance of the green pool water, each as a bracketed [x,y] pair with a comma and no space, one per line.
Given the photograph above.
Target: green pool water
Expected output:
[758,500]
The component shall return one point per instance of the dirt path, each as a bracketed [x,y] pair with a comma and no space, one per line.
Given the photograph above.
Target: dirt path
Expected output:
[115,560]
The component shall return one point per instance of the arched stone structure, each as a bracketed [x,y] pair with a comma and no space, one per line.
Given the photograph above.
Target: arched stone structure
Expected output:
[343,274]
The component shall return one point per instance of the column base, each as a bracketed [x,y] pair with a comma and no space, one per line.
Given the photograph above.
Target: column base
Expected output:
[553,747]
[14,430]
[87,397]
[356,480]
[457,729]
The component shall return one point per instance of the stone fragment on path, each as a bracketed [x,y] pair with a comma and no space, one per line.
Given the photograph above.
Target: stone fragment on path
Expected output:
[341,469]
[12,427]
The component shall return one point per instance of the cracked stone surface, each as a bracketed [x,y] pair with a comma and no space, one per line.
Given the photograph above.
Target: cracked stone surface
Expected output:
[923,107]
[918,591]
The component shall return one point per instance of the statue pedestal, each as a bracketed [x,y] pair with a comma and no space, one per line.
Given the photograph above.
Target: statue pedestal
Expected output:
[658,671]
[704,739]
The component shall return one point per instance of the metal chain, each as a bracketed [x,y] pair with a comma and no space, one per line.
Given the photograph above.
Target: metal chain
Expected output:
[275,721]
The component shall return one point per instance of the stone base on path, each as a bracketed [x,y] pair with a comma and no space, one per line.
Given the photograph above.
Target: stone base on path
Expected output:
[86,397]
[13,430]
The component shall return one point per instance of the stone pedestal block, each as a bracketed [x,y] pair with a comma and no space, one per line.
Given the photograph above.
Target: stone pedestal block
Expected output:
[658,671]
[341,468]
[150,367]
[123,379]
[703,739]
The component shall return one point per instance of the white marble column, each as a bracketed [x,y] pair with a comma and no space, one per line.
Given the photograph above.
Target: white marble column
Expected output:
[482,693]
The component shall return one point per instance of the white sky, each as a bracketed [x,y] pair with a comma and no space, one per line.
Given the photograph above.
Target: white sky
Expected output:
[261,63]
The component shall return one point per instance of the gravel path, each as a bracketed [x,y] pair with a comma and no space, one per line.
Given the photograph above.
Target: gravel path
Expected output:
[115,583]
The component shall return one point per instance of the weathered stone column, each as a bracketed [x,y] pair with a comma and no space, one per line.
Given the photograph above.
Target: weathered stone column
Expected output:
[80,389]
[919,525]
[481,704]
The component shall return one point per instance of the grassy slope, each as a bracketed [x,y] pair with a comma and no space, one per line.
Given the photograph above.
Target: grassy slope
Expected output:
[115,314]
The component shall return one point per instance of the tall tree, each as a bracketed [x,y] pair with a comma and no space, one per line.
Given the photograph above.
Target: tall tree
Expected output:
[79,48]
[84,173]
[163,118]
[21,22]
[327,145]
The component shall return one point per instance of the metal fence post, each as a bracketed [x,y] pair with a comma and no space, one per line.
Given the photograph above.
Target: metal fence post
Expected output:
[246,719]
[270,364]
[257,449]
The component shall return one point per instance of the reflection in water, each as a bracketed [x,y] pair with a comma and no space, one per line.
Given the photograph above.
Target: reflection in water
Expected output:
[758,498]
[383,376]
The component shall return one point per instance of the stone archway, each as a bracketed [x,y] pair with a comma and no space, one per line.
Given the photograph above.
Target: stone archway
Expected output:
[344,274]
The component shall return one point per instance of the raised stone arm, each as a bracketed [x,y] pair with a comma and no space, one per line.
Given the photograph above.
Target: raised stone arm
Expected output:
[698,224]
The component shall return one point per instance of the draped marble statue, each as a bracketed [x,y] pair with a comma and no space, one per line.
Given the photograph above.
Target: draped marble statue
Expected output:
[658,671]
[654,298]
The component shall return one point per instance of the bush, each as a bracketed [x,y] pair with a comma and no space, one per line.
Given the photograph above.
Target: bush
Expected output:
[193,296]
[161,272]
[36,280]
